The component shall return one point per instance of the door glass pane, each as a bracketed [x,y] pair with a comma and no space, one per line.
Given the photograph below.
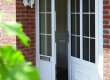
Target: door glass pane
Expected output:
[92,5]
[48,5]
[78,47]
[42,5]
[85,5]
[42,45]
[49,45]
[45,45]
[75,46]
[42,23]
[92,25]
[92,50]
[86,25]
[86,49]
[75,5]
[75,24]
[48,23]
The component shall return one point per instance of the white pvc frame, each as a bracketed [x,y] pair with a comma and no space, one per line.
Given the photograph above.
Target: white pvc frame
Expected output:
[99,37]
[53,29]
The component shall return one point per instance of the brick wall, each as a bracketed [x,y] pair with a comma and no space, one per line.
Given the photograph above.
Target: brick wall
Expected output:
[106,32]
[26,15]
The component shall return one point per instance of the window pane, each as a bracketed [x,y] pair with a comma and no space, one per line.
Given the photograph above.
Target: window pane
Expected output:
[48,23]
[72,5]
[78,47]
[42,23]
[92,50]
[48,5]
[42,5]
[92,25]
[85,5]
[75,6]
[92,5]
[73,23]
[75,46]
[86,25]
[42,45]
[45,45]
[86,49]
[77,24]
[49,45]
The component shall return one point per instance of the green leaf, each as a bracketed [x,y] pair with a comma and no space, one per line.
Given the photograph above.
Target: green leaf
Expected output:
[14,67]
[11,56]
[14,28]
[26,72]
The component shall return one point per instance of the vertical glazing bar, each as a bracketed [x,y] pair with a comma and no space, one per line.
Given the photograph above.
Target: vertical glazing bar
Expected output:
[53,59]
[69,44]
[45,28]
[81,29]
[75,29]
[89,30]
[75,33]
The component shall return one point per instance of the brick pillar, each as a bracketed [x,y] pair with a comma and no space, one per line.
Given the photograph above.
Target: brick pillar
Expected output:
[106,33]
[26,16]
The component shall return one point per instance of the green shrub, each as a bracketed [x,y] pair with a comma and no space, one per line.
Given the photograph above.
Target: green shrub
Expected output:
[12,63]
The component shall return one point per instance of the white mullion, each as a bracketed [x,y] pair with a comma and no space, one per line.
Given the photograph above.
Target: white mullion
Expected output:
[69,44]
[45,30]
[89,29]
[81,29]
[76,37]
[98,26]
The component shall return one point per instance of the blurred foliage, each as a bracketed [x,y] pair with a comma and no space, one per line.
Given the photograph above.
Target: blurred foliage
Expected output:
[12,63]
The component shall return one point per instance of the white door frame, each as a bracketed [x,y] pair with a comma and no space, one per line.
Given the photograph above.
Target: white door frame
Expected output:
[53,28]
[99,31]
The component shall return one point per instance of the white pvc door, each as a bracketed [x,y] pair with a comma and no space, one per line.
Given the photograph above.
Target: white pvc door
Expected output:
[47,47]
[83,39]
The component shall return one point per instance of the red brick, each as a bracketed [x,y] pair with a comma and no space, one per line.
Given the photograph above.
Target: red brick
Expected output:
[26,15]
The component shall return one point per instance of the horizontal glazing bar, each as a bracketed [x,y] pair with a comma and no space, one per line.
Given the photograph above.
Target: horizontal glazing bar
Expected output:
[45,34]
[88,13]
[45,12]
[88,37]
[75,13]
[75,35]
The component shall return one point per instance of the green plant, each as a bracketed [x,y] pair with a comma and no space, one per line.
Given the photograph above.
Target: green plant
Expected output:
[12,63]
